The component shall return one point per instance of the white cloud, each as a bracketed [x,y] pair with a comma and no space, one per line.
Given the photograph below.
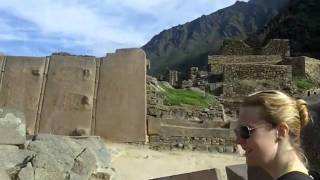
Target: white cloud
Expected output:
[96,25]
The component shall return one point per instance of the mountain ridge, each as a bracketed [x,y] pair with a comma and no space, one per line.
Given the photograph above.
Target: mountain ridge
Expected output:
[183,46]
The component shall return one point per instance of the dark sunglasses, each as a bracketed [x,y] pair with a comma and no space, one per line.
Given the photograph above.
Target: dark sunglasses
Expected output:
[244,131]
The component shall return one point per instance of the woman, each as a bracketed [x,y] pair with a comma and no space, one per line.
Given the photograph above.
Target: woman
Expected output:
[269,129]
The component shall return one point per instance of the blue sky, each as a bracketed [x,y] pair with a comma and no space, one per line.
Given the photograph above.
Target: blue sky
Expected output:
[91,27]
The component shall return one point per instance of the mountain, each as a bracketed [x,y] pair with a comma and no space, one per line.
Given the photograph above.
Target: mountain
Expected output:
[299,22]
[189,44]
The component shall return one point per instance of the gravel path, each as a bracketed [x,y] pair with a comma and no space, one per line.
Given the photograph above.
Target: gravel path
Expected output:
[138,162]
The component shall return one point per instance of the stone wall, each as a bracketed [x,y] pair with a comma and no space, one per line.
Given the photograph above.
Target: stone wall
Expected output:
[21,86]
[297,64]
[243,79]
[304,67]
[264,59]
[67,105]
[78,95]
[121,97]
[234,72]
[172,127]
[241,88]
[312,69]
[216,63]
[238,47]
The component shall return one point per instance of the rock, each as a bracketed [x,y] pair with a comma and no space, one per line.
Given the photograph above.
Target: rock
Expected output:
[8,147]
[74,176]
[71,157]
[84,164]
[10,158]
[220,149]
[98,148]
[26,173]
[4,175]
[61,155]
[12,128]
[105,174]
[166,84]
[195,89]
[41,174]
[229,149]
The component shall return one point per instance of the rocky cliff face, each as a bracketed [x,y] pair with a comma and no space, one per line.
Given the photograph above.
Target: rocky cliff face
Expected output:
[189,44]
[299,22]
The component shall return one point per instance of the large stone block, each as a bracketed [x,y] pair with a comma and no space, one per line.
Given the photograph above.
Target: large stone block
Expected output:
[41,174]
[65,156]
[26,173]
[210,174]
[60,151]
[121,97]
[68,102]
[12,127]
[21,86]
[98,148]
[10,158]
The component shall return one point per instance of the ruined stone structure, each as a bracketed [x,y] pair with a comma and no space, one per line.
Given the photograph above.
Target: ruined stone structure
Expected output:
[304,67]
[172,127]
[242,69]
[78,95]
[172,77]
[198,78]
[239,47]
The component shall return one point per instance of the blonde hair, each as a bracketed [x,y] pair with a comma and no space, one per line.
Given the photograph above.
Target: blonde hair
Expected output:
[277,108]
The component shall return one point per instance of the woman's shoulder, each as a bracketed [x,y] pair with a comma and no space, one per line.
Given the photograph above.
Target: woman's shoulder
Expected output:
[295,175]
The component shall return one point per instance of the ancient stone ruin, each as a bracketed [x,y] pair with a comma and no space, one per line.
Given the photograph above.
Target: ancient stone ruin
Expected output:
[78,95]
[241,70]
[49,157]
[42,98]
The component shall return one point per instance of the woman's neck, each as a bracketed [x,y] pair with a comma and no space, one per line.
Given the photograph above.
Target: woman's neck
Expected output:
[287,162]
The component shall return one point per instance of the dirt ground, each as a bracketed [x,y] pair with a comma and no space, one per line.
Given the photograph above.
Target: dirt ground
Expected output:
[138,162]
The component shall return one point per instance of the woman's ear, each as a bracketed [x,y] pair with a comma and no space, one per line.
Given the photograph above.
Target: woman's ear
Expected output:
[282,131]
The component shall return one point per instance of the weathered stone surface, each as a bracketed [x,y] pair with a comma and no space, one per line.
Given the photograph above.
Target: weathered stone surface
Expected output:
[10,158]
[277,73]
[4,175]
[8,147]
[121,105]
[239,47]
[211,174]
[217,60]
[69,92]
[12,127]
[22,82]
[61,155]
[101,176]
[41,174]
[26,173]
[98,148]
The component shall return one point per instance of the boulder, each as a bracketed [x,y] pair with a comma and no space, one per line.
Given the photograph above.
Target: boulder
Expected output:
[12,127]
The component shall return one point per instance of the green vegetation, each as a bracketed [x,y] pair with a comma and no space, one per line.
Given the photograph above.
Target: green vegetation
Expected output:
[304,84]
[186,97]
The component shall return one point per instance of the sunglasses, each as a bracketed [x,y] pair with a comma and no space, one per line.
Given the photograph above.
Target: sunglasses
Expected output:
[244,131]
